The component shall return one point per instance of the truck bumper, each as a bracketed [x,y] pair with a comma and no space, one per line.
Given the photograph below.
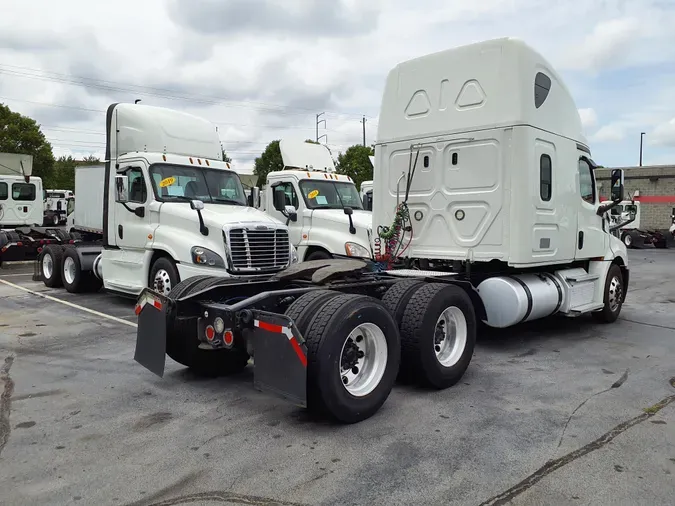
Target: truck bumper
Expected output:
[280,353]
[186,271]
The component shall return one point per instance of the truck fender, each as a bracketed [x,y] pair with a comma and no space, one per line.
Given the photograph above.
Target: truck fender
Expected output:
[87,256]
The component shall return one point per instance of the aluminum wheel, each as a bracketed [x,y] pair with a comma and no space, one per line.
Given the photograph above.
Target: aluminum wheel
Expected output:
[69,269]
[56,220]
[615,294]
[628,240]
[363,359]
[450,336]
[162,282]
[47,266]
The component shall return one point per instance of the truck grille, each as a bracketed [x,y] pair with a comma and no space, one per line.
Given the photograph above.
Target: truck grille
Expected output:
[254,250]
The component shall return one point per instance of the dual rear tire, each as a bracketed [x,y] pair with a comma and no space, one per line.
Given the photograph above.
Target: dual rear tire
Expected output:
[61,266]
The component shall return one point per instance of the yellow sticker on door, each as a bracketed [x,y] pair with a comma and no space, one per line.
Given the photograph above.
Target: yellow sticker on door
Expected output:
[167,182]
[313,194]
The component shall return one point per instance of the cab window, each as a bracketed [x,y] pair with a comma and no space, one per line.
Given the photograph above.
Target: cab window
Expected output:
[586,182]
[284,195]
[23,191]
[137,189]
[4,191]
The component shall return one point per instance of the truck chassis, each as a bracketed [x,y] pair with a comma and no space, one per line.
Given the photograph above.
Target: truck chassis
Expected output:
[329,335]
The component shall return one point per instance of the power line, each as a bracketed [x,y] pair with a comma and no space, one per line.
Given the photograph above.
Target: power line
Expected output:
[43,75]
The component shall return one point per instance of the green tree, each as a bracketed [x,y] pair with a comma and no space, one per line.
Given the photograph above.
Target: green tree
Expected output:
[21,135]
[355,163]
[91,160]
[64,173]
[269,161]
[226,158]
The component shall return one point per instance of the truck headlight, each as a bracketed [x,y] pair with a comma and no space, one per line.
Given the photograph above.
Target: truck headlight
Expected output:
[356,250]
[294,255]
[206,257]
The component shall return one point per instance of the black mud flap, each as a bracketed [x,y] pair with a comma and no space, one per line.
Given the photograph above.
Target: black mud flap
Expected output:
[151,309]
[280,358]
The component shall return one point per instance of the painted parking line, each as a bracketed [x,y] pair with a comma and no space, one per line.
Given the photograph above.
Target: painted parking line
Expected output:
[69,304]
[18,274]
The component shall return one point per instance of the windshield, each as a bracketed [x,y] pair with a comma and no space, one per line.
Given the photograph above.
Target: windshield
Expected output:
[175,182]
[330,195]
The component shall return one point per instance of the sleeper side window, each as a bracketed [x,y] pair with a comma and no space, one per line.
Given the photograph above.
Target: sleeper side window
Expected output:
[545,178]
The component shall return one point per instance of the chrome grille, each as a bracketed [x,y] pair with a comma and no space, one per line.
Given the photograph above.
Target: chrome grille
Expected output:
[256,250]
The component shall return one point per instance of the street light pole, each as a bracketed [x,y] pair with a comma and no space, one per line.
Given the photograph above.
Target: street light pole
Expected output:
[641,136]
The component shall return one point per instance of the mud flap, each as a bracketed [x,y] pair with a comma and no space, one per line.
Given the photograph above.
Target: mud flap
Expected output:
[151,309]
[280,358]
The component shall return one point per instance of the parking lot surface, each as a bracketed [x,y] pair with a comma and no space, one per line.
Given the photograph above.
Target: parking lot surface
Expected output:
[556,412]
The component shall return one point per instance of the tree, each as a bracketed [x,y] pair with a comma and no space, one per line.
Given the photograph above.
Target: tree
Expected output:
[269,161]
[21,135]
[226,158]
[64,173]
[91,160]
[355,163]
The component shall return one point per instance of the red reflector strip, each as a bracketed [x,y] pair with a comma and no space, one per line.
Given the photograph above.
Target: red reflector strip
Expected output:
[299,352]
[138,309]
[157,304]
[269,327]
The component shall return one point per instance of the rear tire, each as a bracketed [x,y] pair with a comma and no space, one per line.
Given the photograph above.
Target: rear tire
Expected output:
[303,309]
[75,280]
[613,297]
[182,342]
[51,259]
[163,276]
[438,335]
[397,296]
[627,239]
[353,354]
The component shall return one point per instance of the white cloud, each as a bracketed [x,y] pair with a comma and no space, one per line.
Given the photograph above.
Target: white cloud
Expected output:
[259,81]
[664,135]
[589,119]
[613,132]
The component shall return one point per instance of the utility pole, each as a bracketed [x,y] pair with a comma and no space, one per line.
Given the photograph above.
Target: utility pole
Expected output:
[318,121]
[364,130]
[641,136]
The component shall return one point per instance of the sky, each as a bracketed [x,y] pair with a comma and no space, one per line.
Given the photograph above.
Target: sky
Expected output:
[263,69]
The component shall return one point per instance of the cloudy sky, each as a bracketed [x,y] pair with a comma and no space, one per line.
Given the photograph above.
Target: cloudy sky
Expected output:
[262,69]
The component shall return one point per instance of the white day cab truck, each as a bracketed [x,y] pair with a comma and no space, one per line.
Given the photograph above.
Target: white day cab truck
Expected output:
[322,208]
[164,208]
[366,190]
[22,211]
[632,234]
[486,210]
[58,204]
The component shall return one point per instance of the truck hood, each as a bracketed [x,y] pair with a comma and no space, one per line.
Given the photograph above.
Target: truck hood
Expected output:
[362,219]
[217,215]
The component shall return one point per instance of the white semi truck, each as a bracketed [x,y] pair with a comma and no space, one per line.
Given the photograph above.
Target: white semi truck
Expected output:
[22,211]
[486,210]
[631,232]
[164,208]
[58,204]
[322,208]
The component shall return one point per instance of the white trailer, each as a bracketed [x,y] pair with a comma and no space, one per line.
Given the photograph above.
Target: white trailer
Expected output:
[487,210]
[164,208]
[321,208]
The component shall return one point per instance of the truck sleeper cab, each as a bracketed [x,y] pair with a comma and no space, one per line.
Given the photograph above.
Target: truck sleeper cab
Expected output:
[322,209]
[171,209]
[486,210]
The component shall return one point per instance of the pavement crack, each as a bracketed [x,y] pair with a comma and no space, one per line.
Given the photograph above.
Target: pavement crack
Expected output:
[649,324]
[219,496]
[553,465]
[5,401]
[616,384]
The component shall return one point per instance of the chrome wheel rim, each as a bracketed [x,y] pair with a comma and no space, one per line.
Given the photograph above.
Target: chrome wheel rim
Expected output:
[363,359]
[615,294]
[69,270]
[627,240]
[56,220]
[450,336]
[162,282]
[47,266]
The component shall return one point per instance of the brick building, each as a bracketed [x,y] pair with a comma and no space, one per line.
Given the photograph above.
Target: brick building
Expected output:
[656,192]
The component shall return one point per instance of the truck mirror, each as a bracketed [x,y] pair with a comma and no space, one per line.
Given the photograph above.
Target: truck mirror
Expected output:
[255,196]
[348,211]
[197,205]
[121,188]
[617,185]
[291,213]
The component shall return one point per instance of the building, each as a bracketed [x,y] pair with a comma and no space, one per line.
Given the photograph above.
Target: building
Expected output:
[653,186]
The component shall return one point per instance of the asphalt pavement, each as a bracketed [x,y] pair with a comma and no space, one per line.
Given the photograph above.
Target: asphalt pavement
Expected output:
[556,412]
